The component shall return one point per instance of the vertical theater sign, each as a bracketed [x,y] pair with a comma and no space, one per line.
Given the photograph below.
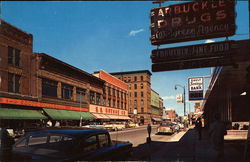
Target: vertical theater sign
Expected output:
[192,21]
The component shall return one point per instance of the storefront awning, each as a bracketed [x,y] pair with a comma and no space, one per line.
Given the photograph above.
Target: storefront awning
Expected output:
[113,116]
[124,117]
[8,113]
[156,119]
[57,114]
[100,116]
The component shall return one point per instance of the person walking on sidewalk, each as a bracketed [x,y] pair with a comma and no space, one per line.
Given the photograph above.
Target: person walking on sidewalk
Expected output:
[149,131]
[217,131]
[198,126]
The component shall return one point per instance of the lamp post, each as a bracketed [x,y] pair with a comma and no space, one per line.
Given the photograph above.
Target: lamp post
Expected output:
[184,98]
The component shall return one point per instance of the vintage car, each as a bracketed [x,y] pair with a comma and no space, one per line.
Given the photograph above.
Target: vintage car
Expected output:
[115,126]
[65,144]
[166,128]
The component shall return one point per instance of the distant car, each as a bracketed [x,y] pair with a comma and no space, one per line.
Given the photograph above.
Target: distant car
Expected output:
[65,144]
[166,128]
[181,125]
[115,126]
[94,126]
[132,125]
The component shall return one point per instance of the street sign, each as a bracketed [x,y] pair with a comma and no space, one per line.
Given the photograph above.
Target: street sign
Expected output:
[192,21]
[194,51]
[195,88]
[179,98]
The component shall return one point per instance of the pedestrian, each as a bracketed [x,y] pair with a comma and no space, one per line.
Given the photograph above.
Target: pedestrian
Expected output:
[6,142]
[198,126]
[217,131]
[149,128]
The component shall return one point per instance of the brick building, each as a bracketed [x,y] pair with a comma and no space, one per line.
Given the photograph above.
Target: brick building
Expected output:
[114,101]
[170,115]
[139,82]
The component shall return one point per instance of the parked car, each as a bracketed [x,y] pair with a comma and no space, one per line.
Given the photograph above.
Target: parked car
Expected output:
[132,125]
[115,126]
[69,144]
[166,128]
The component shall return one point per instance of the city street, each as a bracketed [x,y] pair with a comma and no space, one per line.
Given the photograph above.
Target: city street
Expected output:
[137,136]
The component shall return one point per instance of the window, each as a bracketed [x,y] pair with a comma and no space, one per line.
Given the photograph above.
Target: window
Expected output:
[98,98]
[129,79]
[130,110]
[118,104]
[90,144]
[67,91]
[114,92]
[141,85]
[118,94]
[141,78]
[141,94]
[122,105]
[13,56]
[109,102]
[135,86]
[135,94]
[49,88]
[142,102]
[80,95]
[109,91]
[14,83]
[135,78]
[130,94]
[92,97]
[142,110]
[103,140]
[104,101]
[129,86]
[37,140]
[113,103]
[135,103]
[104,90]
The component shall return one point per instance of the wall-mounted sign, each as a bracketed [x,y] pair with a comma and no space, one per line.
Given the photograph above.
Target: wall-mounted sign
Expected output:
[193,51]
[192,21]
[179,98]
[195,88]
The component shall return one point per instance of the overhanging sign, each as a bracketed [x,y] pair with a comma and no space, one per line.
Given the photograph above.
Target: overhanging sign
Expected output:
[179,98]
[195,88]
[237,51]
[193,51]
[192,21]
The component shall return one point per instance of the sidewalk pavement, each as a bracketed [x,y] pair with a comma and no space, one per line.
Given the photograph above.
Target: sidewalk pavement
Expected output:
[186,147]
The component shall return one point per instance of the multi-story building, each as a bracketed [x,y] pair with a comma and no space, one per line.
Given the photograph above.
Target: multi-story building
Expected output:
[36,88]
[156,114]
[170,115]
[139,104]
[114,101]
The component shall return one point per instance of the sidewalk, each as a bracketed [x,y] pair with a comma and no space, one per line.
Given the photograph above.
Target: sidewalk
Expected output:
[185,147]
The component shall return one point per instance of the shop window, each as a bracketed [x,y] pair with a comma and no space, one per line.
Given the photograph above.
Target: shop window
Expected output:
[14,83]
[92,97]
[80,95]
[67,91]
[13,56]
[49,88]
[98,98]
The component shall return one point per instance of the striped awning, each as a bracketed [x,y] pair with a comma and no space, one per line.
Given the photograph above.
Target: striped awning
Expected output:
[57,114]
[100,116]
[9,113]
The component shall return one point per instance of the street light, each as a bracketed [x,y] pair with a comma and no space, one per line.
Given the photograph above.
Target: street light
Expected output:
[184,98]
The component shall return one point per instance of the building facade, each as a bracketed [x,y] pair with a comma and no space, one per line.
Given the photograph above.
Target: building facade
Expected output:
[139,93]
[156,115]
[114,101]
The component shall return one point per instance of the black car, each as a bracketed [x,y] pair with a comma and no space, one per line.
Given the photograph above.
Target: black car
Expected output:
[65,144]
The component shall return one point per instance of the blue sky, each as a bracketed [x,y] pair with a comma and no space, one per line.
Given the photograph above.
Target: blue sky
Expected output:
[113,36]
